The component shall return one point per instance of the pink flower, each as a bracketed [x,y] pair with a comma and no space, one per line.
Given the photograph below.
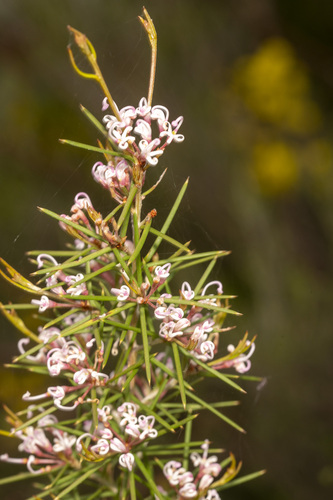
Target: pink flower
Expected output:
[44,303]
[122,293]
[163,272]
[127,460]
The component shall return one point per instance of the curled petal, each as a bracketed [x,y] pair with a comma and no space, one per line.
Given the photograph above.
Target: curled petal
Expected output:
[189,490]
[212,495]
[147,151]
[205,481]
[81,376]
[187,291]
[163,271]
[143,109]
[117,445]
[159,113]
[45,256]
[105,104]
[217,283]
[127,460]
[101,447]
[144,129]
[122,293]
[78,445]
[44,303]
[207,349]
[82,200]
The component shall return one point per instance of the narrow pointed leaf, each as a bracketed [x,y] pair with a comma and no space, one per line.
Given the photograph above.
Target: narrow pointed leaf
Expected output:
[73,263]
[21,477]
[15,278]
[127,205]
[148,410]
[167,223]
[96,149]
[213,410]
[204,305]
[18,323]
[78,481]
[187,442]
[94,120]
[205,275]
[170,240]
[140,244]
[241,480]
[148,477]
[180,423]
[78,227]
[179,373]
[212,371]
[190,256]
[169,372]
[145,342]
[132,485]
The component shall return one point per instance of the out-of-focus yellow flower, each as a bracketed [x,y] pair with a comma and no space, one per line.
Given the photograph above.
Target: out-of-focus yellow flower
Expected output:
[275,167]
[274,85]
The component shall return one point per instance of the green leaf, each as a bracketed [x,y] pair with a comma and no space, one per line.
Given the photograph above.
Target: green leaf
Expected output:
[179,373]
[121,261]
[60,318]
[204,276]
[54,253]
[78,481]
[150,481]
[169,372]
[212,371]
[24,475]
[78,227]
[241,480]
[128,205]
[145,342]
[112,214]
[213,410]
[140,243]
[203,305]
[180,423]
[170,240]
[96,149]
[16,279]
[132,485]
[17,307]
[32,368]
[18,323]
[187,442]
[192,256]
[149,411]
[73,263]
[167,223]
[94,121]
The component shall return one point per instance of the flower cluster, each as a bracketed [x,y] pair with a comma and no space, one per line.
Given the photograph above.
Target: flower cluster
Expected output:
[140,121]
[141,148]
[46,445]
[108,441]
[189,485]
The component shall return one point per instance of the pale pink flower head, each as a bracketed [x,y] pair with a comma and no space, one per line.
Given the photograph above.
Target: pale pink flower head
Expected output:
[121,293]
[127,460]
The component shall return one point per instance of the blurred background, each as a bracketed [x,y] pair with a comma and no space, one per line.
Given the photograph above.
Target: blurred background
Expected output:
[254,81]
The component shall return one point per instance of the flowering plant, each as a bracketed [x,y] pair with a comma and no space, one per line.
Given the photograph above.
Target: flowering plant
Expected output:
[125,346]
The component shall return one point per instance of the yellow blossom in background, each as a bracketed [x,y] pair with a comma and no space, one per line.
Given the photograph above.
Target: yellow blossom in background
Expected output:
[275,167]
[285,147]
[274,85]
